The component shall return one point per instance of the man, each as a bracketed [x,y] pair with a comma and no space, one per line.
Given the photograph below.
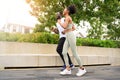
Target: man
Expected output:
[62,36]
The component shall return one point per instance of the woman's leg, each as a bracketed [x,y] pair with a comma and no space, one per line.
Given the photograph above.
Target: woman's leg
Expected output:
[65,49]
[72,42]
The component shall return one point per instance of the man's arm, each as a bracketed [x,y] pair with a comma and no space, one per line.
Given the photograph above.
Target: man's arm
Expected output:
[65,24]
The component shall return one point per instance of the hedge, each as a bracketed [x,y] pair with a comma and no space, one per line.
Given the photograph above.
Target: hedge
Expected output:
[10,37]
[53,39]
[34,37]
[98,43]
[40,38]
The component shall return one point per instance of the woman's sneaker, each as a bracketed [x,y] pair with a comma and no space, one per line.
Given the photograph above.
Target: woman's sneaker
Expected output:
[65,72]
[81,72]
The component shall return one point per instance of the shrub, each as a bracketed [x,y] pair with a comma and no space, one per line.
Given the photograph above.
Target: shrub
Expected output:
[45,37]
[98,43]
[10,37]
[40,38]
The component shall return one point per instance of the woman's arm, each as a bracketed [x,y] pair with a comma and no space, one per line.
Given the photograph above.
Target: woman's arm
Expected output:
[67,30]
[65,24]
[73,28]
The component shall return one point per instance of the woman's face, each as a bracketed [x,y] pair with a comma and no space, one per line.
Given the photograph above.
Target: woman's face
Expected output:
[65,11]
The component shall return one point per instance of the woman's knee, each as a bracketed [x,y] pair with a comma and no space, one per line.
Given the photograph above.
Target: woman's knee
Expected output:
[64,54]
[75,54]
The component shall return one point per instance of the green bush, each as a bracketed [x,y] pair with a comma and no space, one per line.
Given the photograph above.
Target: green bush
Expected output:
[97,43]
[40,38]
[10,37]
[45,37]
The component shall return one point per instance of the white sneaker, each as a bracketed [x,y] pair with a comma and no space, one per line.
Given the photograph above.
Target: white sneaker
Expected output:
[65,72]
[81,72]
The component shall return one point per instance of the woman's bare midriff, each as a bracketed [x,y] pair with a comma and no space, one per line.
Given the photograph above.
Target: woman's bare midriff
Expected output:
[67,30]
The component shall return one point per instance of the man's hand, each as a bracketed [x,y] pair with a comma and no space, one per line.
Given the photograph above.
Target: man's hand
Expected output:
[59,21]
[63,32]
[55,30]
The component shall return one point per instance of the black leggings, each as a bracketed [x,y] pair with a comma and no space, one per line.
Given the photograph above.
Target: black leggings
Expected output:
[60,48]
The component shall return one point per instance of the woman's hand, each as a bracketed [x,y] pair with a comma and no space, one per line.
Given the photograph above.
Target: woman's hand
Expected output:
[73,27]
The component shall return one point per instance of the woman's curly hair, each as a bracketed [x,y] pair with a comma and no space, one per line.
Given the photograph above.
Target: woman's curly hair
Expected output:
[72,9]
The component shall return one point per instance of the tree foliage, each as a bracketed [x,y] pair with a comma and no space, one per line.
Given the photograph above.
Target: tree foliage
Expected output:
[101,14]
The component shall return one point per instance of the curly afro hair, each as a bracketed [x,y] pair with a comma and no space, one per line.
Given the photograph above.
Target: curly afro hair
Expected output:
[72,9]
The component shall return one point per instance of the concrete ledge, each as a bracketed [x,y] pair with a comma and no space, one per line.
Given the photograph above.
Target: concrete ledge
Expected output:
[39,60]
[1,67]
[18,60]
[115,61]
[14,54]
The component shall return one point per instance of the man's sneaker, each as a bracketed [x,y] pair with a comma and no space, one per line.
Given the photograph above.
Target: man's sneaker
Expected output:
[81,72]
[72,66]
[65,72]
[63,68]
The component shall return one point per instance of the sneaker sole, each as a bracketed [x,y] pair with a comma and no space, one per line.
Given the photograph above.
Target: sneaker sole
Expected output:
[64,74]
[81,75]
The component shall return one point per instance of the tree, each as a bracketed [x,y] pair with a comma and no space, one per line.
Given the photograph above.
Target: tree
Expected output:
[97,12]
[44,11]
[96,30]
[114,31]
[101,14]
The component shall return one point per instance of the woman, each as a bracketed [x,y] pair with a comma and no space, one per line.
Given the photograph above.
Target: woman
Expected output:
[70,41]
[61,42]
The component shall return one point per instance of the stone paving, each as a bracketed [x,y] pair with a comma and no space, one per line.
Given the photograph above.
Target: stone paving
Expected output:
[93,73]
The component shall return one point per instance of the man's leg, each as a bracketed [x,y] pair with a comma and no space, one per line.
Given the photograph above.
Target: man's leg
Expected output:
[70,62]
[60,48]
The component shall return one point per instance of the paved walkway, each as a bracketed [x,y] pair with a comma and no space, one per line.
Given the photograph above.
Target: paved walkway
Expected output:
[94,73]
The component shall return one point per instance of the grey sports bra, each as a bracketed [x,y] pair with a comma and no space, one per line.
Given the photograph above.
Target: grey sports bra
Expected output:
[70,26]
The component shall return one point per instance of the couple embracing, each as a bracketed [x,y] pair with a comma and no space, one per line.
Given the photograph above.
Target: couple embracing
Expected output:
[68,39]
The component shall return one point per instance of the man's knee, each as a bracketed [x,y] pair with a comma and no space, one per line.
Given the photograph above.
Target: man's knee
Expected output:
[59,50]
